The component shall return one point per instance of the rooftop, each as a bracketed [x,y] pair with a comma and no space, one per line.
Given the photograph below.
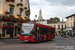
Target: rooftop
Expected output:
[71,15]
[51,20]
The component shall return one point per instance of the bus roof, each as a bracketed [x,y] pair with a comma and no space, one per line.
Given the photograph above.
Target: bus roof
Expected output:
[41,25]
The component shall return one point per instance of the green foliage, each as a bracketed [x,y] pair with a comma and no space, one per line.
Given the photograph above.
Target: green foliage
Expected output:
[18,15]
[21,9]
[19,4]
[57,19]
[25,7]
[27,12]
[5,16]
[11,5]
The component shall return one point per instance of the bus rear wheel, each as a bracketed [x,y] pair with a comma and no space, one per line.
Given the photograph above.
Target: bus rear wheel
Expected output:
[42,39]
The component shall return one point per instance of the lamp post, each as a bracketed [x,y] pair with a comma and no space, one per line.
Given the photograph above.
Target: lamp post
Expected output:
[62,27]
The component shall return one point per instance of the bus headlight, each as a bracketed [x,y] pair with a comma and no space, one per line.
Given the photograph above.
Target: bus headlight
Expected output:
[34,36]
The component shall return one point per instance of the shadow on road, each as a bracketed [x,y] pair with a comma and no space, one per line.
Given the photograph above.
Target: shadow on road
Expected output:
[37,42]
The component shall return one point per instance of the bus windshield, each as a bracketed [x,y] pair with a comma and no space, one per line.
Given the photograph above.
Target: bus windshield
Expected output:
[27,29]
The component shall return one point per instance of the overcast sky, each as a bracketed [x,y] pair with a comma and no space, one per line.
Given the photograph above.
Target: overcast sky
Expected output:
[52,8]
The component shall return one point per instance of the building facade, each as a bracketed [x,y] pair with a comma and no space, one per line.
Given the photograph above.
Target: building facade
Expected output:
[12,14]
[71,25]
[14,7]
[57,25]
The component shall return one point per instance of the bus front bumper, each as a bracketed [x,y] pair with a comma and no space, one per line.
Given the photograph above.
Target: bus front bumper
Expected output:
[27,40]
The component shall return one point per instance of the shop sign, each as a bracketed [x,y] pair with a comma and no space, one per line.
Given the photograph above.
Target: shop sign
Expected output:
[68,28]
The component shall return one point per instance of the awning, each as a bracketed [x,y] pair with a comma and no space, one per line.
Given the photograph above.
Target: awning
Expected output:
[68,28]
[60,30]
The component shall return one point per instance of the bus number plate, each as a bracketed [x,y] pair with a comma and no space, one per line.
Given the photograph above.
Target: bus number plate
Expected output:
[26,40]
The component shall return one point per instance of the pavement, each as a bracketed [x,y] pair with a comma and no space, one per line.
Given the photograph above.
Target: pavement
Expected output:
[59,43]
[73,38]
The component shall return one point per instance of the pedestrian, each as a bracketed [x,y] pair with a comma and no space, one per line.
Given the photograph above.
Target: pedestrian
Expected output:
[60,33]
[56,34]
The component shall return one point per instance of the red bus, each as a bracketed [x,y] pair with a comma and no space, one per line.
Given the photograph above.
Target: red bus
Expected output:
[34,32]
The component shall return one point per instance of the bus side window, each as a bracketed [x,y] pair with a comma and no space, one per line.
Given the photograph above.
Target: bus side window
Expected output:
[52,31]
[40,30]
[46,31]
[49,31]
[43,31]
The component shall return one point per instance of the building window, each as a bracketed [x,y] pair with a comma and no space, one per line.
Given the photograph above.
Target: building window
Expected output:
[8,30]
[67,19]
[71,24]
[71,18]
[11,11]
[21,1]
[65,26]
[21,13]
[54,26]
[58,26]
[74,23]
[25,4]
[18,31]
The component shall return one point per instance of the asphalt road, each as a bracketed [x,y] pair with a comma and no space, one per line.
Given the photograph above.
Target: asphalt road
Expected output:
[59,43]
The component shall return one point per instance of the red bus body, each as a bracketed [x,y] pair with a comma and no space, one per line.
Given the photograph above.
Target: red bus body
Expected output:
[43,33]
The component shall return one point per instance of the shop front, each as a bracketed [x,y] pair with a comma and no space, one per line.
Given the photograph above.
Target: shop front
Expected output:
[69,31]
[59,31]
[9,29]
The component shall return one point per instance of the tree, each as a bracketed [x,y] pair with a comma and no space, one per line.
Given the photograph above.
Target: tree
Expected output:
[57,19]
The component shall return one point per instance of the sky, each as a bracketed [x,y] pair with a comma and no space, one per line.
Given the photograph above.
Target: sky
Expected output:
[52,8]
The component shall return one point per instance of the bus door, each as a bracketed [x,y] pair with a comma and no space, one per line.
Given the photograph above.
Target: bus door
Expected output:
[38,34]
[46,34]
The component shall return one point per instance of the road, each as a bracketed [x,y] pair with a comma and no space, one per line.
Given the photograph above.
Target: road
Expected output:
[59,43]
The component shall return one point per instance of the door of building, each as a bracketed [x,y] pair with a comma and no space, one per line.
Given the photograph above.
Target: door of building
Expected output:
[11,33]
[3,32]
[15,31]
